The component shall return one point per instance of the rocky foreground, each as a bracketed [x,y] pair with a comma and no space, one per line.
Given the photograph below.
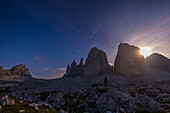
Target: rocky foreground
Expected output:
[98,98]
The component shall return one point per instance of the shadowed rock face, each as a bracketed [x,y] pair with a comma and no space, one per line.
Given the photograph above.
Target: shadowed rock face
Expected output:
[96,63]
[15,72]
[75,70]
[128,60]
[159,62]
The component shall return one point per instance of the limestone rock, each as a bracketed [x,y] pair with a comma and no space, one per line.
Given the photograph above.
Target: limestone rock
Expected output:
[34,105]
[129,61]
[75,70]
[16,73]
[81,67]
[159,62]
[36,108]
[96,62]
[5,100]
[20,70]
[21,111]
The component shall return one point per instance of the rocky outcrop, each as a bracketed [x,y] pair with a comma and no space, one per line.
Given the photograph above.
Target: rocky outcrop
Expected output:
[20,70]
[129,61]
[75,70]
[96,63]
[159,62]
[15,73]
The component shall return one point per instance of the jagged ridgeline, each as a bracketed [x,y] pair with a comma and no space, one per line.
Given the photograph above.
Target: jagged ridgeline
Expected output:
[128,62]
[95,64]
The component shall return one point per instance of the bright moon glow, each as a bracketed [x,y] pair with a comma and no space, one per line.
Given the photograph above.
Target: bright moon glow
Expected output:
[145,51]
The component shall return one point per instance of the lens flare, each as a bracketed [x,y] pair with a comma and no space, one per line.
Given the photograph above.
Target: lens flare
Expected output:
[145,51]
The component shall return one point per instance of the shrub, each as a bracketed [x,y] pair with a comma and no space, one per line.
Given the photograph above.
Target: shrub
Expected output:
[105,81]
[44,95]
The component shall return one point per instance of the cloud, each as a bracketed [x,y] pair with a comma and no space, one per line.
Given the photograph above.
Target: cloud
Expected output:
[49,73]
[39,58]
[62,69]
[52,76]
[59,75]
[95,31]
[46,69]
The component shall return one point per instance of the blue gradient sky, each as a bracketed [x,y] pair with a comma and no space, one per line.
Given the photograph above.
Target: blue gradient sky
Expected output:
[46,35]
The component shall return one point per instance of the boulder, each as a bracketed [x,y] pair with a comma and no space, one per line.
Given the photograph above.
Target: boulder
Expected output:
[96,63]
[21,111]
[129,61]
[34,105]
[5,100]
[159,62]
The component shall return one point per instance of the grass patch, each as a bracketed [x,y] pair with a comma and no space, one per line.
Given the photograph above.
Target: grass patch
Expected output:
[24,106]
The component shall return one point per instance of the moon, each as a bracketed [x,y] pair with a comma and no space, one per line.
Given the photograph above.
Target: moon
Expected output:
[145,51]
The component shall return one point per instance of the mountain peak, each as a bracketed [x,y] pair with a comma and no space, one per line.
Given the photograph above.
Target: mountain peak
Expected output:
[128,60]
[95,64]
[15,73]
[159,62]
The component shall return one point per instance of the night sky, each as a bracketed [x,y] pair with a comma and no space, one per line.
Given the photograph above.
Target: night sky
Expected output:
[47,35]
